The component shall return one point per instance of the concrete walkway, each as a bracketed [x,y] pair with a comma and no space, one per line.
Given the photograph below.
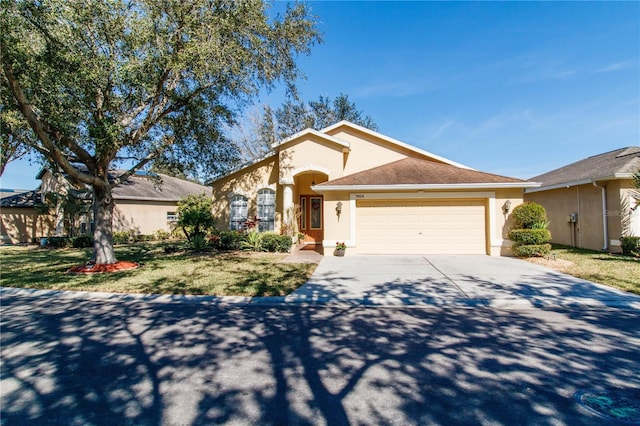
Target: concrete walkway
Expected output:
[451,280]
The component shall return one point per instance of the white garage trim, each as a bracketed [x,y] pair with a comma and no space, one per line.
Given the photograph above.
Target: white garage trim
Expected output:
[493,239]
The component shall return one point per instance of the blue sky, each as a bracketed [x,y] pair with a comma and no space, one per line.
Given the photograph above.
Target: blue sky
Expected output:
[513,88]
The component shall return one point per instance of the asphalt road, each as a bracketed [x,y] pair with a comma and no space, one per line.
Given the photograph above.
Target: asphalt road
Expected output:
[74,362]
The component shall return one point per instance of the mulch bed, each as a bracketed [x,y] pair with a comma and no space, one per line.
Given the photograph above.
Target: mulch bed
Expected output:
[92,268]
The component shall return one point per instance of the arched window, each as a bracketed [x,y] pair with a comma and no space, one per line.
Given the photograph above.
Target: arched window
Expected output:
[238,215]
[266,209]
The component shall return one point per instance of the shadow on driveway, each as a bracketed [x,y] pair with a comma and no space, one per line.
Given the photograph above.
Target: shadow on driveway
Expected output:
[452,280]
[87,362]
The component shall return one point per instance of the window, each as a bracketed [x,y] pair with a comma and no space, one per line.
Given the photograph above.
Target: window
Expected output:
[316,212]
[172,217]
[303,212]
[266,210]
[238,214]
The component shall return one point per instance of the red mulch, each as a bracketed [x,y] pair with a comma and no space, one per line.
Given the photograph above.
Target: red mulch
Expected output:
[92,268]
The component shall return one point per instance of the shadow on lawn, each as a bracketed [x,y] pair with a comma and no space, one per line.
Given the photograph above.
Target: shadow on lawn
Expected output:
[82,362]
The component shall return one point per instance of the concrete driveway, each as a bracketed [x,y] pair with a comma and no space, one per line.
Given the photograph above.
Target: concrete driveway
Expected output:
[451,280]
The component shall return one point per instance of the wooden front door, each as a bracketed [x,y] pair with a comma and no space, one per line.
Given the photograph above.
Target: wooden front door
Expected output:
[312,218]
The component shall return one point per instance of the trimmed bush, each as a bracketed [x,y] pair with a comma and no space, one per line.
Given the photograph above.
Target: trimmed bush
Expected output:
[121,237]
[161,235]
[83,241]
[529,215]
[630,246]
[142,238]
[530,236]
[229,240]
[58,242]
[276,243]
[531,250]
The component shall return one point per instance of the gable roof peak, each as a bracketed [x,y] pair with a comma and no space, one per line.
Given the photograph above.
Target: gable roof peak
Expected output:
[310,131]
[378,135]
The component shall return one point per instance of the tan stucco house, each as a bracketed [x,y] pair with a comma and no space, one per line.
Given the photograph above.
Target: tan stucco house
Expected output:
[590,203]
[144,204]
[21,217]
[349,184]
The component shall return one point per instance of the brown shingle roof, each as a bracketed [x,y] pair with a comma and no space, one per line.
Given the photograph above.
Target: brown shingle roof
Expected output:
[26,199]
[606,165]
[414,171]
[141,187]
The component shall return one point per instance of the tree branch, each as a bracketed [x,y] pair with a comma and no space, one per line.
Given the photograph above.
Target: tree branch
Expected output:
[49,148]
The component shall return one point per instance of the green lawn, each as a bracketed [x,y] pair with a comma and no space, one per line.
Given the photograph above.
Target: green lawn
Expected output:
[221,274]
[614,270]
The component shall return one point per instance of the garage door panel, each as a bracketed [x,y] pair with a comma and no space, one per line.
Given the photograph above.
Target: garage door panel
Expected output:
[421,227]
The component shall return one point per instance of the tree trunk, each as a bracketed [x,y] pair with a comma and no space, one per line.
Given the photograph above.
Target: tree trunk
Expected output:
[103,220]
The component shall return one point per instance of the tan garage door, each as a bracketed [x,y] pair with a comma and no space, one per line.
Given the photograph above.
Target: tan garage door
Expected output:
[420,227]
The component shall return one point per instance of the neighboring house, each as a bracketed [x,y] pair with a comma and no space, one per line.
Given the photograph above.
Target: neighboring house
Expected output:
[22,219]
[349,184]
[144,205]
[590,203]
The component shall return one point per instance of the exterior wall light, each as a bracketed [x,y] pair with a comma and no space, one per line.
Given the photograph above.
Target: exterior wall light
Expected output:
[339,209]
[506,207]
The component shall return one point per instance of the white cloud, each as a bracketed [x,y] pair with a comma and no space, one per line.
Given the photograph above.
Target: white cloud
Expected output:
[616,66]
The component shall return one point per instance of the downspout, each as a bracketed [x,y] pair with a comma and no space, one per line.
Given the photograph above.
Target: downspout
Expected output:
[605,225]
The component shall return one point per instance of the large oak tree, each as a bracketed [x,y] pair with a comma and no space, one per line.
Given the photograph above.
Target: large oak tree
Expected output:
[99,82]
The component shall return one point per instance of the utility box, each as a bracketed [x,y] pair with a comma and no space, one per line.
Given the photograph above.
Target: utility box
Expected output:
[572,218]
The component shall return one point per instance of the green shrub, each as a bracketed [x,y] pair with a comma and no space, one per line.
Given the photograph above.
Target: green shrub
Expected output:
[141,238]
[194,215]
[276,243]
[58,242]
[531,250]
[161,235]
[540,225]
[528,215]
[121,237]
[252,242]
[199,243]
[83,241]
[530,236]
[229,240]
[630,246]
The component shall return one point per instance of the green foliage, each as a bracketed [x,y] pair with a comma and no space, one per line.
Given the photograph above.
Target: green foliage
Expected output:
[229,240]
[199,243]
[122,237]
[194,215]
[528,215]
[530,236]
[277,243]
[295,116]
[58,242]
[252,242]
[531,250]
[540,225]
[630,246]
[154,81]
[161,235]
[83,241]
